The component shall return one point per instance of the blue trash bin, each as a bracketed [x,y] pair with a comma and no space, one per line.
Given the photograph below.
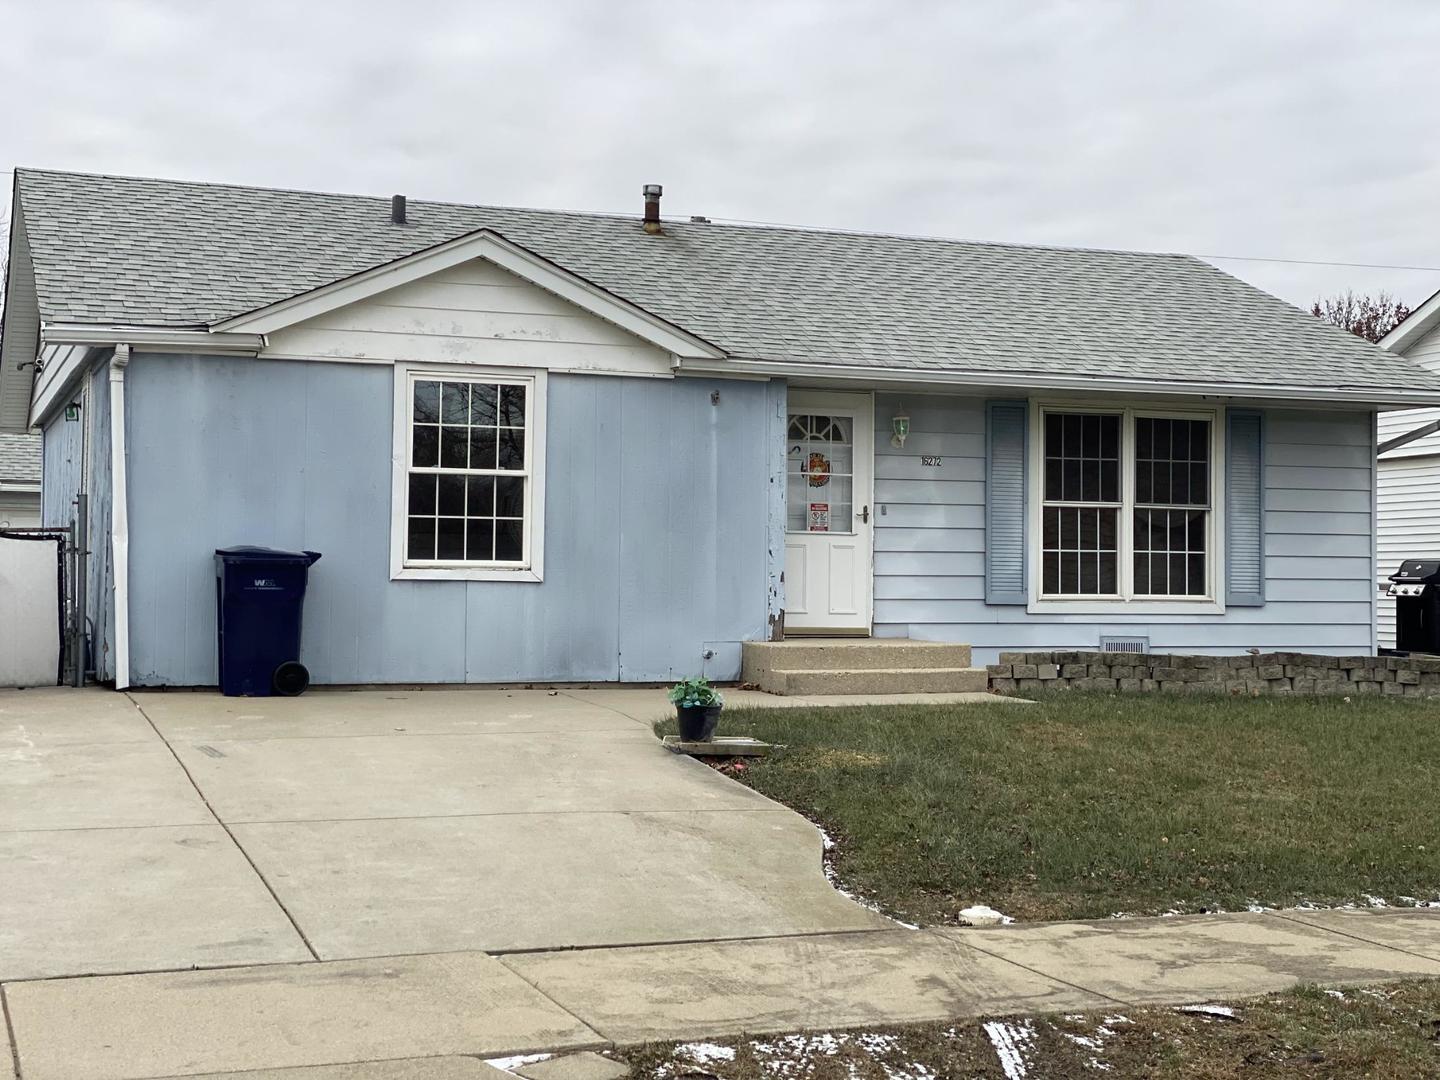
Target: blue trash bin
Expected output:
[259,595]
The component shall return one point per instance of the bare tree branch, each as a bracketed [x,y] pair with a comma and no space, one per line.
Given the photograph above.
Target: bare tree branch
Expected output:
[1365,316]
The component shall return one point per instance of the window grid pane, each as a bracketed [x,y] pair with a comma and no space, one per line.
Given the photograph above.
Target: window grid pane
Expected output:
[1082,457]
[1080,554]
[468,481]
[1170,552]
[1080,544]
[820,467]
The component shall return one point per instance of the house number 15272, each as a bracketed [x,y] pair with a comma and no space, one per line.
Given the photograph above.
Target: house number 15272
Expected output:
[933,462]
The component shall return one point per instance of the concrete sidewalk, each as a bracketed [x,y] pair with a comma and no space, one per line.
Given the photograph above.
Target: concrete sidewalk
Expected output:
[431,1017]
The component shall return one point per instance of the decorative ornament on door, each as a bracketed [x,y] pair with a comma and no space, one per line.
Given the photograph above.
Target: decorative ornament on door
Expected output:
[818,469]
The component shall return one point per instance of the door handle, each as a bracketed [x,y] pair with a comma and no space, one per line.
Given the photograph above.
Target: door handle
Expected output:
[865,515]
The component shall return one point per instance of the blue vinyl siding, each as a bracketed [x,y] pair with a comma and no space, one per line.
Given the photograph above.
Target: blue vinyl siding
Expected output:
[657,528]
[930,562]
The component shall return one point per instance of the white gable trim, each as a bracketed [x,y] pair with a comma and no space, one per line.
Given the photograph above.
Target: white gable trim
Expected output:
[485,244]
[1421,320]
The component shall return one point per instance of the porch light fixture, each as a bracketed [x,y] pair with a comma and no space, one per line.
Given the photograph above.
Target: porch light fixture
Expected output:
[900,424]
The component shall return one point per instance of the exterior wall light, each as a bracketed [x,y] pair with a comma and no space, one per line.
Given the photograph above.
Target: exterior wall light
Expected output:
[900,424]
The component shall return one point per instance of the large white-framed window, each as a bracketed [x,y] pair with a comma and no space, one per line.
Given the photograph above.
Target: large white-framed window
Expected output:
[1126,508]
[468,498]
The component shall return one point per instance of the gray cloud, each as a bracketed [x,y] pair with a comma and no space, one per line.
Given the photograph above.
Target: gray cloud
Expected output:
[1288,129]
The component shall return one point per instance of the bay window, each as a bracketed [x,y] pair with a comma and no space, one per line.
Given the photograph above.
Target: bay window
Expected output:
[1126,504]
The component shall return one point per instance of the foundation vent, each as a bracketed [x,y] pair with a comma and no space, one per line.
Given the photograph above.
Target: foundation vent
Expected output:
[1125,644]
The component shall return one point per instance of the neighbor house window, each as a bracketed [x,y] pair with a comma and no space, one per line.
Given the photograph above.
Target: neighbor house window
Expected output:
[470,459]
[1126,504]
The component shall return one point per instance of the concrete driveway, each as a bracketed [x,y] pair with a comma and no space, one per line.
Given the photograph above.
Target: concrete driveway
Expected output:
[156,831]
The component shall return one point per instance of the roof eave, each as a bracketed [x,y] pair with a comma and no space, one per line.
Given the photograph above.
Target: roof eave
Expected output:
[1065,382]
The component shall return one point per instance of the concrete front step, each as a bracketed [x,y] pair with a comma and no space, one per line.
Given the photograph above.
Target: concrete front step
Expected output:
[867,654]
[925,680]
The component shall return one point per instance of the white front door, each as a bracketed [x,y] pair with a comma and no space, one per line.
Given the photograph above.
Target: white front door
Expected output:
[829,462]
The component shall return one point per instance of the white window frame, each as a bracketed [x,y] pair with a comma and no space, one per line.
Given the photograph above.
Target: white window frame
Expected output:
[531,565]
[1127,601]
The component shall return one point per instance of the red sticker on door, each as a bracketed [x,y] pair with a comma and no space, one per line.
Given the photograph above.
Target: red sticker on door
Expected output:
[819,517]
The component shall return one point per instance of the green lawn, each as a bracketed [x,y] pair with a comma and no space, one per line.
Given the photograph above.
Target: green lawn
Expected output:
[1385,1031]
[1084,805]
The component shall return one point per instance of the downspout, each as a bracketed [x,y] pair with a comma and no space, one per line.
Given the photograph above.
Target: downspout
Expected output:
[119,517]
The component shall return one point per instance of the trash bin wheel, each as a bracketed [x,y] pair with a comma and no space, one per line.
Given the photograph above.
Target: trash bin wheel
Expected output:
[290,679]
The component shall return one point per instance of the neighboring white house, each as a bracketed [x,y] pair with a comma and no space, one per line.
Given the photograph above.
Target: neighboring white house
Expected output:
[19,481]
[1408,480]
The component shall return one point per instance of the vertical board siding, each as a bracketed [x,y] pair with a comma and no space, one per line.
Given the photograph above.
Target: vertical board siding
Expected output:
[934,587]
[62,443]
[656,526]
[1409,513]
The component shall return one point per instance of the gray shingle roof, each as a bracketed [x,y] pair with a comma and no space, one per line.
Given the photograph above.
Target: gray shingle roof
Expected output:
[20,459]
[162,252]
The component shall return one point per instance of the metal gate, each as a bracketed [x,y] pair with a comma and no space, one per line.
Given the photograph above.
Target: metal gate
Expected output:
[41,625]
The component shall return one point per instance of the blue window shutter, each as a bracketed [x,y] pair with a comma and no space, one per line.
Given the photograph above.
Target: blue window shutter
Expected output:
[1244,508]
[1005,509]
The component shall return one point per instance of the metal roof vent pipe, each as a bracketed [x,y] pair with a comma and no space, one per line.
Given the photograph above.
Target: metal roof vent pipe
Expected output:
[652,209]
[397,209]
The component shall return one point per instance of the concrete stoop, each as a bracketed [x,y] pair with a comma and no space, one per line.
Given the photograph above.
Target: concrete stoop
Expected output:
[810,666]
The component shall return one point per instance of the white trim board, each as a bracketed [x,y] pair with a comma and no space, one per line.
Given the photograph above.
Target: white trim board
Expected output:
[1421,320]
[485,244]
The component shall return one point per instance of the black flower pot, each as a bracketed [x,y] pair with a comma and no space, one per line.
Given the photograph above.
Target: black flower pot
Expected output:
[697,722]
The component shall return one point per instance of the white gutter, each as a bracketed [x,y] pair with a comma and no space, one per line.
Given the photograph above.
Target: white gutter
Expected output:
[821,370]
[119,517]
[153,338]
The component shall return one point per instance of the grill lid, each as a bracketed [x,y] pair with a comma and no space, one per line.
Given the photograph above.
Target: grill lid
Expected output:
[1418,571]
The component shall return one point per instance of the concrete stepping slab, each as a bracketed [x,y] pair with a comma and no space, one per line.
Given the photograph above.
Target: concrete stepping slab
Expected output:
[130,1027]
[111,900]
[434,1068]
[530,881]
[323,779]
[1415,931]
[65,716]
[320,713]
[707,990]
[96,786]
[1192,958]
[586,1065]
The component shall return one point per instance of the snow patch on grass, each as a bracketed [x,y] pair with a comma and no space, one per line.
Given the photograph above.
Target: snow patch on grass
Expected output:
[1012,1043]
[786,1057]
[1223,1012]
[702,1053]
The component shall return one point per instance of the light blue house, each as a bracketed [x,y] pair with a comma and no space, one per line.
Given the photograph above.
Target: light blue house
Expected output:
[550,446]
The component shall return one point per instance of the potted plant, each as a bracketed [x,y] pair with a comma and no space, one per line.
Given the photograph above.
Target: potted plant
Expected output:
[697,706]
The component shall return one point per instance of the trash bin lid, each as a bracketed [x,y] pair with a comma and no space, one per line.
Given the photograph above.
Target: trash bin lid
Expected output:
[250,553]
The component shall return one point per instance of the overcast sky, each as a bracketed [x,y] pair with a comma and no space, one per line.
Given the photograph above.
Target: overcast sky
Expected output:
[1286,129]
